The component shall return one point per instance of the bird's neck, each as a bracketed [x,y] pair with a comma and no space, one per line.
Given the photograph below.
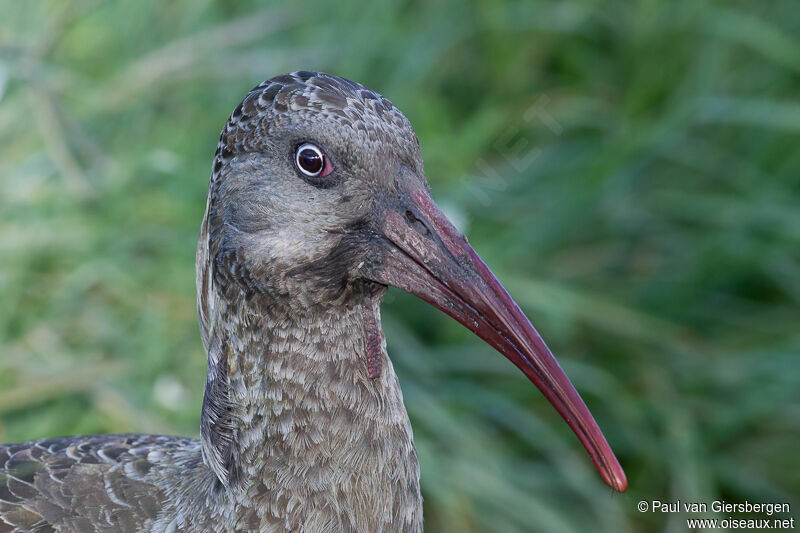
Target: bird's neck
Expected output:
[306,420]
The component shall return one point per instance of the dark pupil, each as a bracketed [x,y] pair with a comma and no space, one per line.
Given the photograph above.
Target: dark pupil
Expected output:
[310,161]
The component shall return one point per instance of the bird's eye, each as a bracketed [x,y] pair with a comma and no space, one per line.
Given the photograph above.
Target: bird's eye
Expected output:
[311,160]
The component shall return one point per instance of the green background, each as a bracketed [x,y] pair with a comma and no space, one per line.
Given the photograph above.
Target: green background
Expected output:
[630,170]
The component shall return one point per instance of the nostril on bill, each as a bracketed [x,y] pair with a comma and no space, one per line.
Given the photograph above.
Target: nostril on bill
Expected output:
[417,223]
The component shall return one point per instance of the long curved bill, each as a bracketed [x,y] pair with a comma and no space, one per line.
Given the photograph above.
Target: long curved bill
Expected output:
[430,259]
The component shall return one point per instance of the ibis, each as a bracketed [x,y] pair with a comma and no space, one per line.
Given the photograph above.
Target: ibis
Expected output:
[317,203]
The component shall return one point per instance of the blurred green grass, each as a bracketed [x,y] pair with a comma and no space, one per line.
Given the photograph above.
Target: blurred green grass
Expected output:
[629,169]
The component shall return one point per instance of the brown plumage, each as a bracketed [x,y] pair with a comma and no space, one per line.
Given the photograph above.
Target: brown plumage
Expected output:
[303,424]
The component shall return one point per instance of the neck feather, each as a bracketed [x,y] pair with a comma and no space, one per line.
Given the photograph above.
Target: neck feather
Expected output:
[290,402]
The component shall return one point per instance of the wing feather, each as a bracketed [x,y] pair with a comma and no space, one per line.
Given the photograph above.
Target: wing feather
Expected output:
[82,484]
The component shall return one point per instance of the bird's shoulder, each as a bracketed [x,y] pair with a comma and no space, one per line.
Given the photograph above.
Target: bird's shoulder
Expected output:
[94,483]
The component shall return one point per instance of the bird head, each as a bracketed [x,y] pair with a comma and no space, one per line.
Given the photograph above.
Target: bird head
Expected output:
[318,195]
